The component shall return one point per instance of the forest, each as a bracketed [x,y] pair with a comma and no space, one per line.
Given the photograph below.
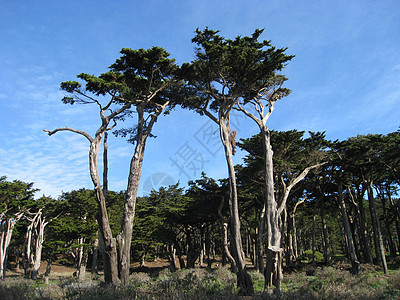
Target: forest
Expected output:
[297,203]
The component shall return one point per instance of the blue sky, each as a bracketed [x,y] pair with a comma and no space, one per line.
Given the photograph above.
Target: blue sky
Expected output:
[345,79]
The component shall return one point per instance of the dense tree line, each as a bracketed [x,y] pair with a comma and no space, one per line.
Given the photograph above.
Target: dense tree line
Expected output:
[329,211]
[263,210]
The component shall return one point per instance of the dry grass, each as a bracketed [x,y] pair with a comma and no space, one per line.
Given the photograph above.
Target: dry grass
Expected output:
[326,283]
[332,283]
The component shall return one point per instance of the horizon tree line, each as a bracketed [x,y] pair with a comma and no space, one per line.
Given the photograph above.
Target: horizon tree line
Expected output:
[189,226]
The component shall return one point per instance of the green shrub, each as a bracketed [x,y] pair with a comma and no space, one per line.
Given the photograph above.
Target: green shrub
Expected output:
[394,280]
[225,275]
[307,257]
[139,279]
[19,288]
[258,281]
[328,283]
[81,289]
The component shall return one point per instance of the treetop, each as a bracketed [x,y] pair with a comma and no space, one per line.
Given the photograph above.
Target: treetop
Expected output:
[228,69]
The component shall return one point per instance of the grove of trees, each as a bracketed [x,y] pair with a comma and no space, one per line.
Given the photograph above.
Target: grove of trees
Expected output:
[295,194]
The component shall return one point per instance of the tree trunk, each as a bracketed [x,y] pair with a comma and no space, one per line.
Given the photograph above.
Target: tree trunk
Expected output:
[203,251]
[94,268]
[313,235]
[17,261]
[244,281]
[105,165]
[172,256]
[226,247]
[374,225]
[284,220]
[40,227]
[27,248]
[109,251]
[226,254]
[6,229]
[290,242]
[347,232]
[125,237]
[325,235]
[33,244]
[380,251]
[295,239]
[110,246]
[193,248]
[392,247]
[83,264]
[354,231]
[48,268]
[273,270]
[182,264]
[143,258]
[396,214]
[208,246]
[260,241]
[363,226]
[108,242]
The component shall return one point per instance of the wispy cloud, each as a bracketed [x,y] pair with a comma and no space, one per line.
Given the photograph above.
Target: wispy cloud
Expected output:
[52,167]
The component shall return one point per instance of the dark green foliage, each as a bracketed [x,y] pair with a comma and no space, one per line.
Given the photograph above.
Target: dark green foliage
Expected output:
[145,71]
[164,210]
[115,209]
[207,196]
[226,70]
[76,219]
[143,79]
[292,154]
[79,217]
[15,196]
[307,257]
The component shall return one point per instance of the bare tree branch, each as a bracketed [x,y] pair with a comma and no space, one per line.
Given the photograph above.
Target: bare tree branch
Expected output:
[297,204]
[300,177]
[247,113]
[85,134]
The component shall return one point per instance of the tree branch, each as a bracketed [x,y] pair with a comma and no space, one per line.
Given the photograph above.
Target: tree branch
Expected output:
[297,204]
[293,183]
[208,114]
[85,134]
[247,113]
[88,97]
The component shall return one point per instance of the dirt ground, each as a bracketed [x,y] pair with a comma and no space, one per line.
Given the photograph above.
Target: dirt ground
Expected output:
[58,270]
[66,271]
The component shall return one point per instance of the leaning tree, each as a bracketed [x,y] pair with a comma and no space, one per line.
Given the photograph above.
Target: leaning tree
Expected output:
[224,72]
[140,82]
[262,87]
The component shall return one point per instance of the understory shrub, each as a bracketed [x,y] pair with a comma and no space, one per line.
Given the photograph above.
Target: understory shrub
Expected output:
[307,257]
[331,283]
[326,283]
[19,288]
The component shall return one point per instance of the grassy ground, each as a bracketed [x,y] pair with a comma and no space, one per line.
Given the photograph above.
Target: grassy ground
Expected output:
[326,283]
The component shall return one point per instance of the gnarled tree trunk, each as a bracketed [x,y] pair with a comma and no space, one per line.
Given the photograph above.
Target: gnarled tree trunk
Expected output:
[39,230]
[273,270]
[6,231]
[380,249]
[347,231]
[110,245]
[260,240]
[125,237]
[243,278]
[363,226]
